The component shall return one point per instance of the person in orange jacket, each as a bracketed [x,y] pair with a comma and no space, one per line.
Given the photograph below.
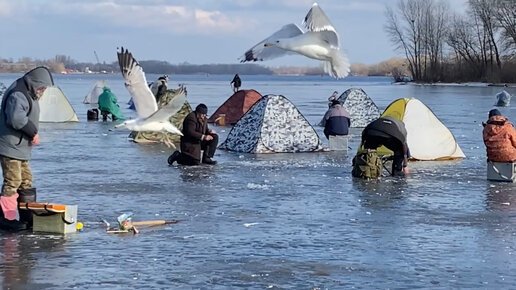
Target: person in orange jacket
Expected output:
[500,138]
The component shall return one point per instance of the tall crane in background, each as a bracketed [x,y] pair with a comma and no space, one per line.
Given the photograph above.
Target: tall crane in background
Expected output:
[98,62]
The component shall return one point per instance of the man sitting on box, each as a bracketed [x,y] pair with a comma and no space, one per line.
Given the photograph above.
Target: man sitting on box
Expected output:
[500,138]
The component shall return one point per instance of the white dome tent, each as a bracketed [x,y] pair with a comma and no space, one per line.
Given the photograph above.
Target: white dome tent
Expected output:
[55,107]
[427,137]
[93,96]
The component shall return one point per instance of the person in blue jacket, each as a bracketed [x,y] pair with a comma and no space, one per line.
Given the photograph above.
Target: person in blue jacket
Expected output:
[336,121]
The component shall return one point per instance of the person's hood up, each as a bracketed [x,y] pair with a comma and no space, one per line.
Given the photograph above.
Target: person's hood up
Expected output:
[390,126]
[38,77]
[106,89]
[495,125]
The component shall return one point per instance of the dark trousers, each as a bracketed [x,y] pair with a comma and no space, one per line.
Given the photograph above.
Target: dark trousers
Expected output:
[105,115]
[209,148]
[397,162]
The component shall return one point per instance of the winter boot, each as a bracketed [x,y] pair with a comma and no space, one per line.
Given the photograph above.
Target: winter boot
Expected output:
[26,195]
[208,160]
[9,207]
[12,225]
[173,158]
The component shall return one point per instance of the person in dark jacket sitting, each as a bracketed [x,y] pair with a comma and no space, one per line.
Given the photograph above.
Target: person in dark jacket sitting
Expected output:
[336,121]
[196,137]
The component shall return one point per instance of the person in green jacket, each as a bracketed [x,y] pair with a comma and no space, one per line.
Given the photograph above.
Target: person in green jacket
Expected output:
[108,104]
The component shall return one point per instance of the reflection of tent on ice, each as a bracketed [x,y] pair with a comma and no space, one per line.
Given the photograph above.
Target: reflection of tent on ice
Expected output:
[93,96]
[427,137]
[236,106]
[272,125]
[55,107]
[362,110]
[176,120]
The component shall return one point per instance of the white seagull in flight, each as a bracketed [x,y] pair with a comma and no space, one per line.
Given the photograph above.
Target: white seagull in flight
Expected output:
[149,117]
[320,42]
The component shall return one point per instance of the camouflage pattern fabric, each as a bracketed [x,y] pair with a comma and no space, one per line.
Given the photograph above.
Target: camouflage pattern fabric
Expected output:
[272,125]
[2,89]
[362,110]
[176,120]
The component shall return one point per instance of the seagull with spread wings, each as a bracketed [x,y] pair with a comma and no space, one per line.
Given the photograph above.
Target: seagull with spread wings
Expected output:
[149,117]
[320,42]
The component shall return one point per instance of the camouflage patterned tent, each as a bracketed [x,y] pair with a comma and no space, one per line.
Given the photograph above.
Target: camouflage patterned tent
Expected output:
[272,125]
[362,110]
[2,89]
[176,120]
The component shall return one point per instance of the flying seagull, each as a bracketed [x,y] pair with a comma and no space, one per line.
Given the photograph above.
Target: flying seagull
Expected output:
[320,42]
[149,117]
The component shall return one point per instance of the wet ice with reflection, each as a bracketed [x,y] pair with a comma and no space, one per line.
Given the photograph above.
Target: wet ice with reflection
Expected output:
[310,224]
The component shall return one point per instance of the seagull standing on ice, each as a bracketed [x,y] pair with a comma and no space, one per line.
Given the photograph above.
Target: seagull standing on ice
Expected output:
[320,42]
[149,117]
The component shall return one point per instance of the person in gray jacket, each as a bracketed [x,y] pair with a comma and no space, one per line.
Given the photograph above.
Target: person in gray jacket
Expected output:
[19,124]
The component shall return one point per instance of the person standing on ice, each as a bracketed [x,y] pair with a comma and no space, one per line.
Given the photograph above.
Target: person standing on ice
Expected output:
[19,127]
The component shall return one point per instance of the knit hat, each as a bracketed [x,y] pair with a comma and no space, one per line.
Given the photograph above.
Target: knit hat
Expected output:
[494,112]
[201,109]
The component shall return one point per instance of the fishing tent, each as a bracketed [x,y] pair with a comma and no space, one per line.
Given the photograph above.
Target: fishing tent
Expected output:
[55,107]
[362,110]
[236,106]
[93,96]
[272,125]
[427,137]
[176,120]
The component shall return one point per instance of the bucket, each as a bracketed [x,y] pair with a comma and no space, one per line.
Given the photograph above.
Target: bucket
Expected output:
[92,115]
[221,120]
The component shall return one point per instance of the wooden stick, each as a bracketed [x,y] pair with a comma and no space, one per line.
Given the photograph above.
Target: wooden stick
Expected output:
[117,231]
[155,223]
[133,230]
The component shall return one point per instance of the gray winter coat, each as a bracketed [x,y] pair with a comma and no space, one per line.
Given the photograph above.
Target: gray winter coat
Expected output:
[19,114]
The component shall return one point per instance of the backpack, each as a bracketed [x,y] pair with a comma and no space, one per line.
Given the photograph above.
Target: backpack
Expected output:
[367,165]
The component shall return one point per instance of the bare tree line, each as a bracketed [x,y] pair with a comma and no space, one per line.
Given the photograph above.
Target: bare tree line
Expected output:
[61,63]
[441,45]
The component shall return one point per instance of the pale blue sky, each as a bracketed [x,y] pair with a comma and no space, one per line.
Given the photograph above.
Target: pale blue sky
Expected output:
[194,31]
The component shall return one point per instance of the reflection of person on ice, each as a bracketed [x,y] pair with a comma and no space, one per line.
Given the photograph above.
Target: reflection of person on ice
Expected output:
[236,82]
[19,127]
